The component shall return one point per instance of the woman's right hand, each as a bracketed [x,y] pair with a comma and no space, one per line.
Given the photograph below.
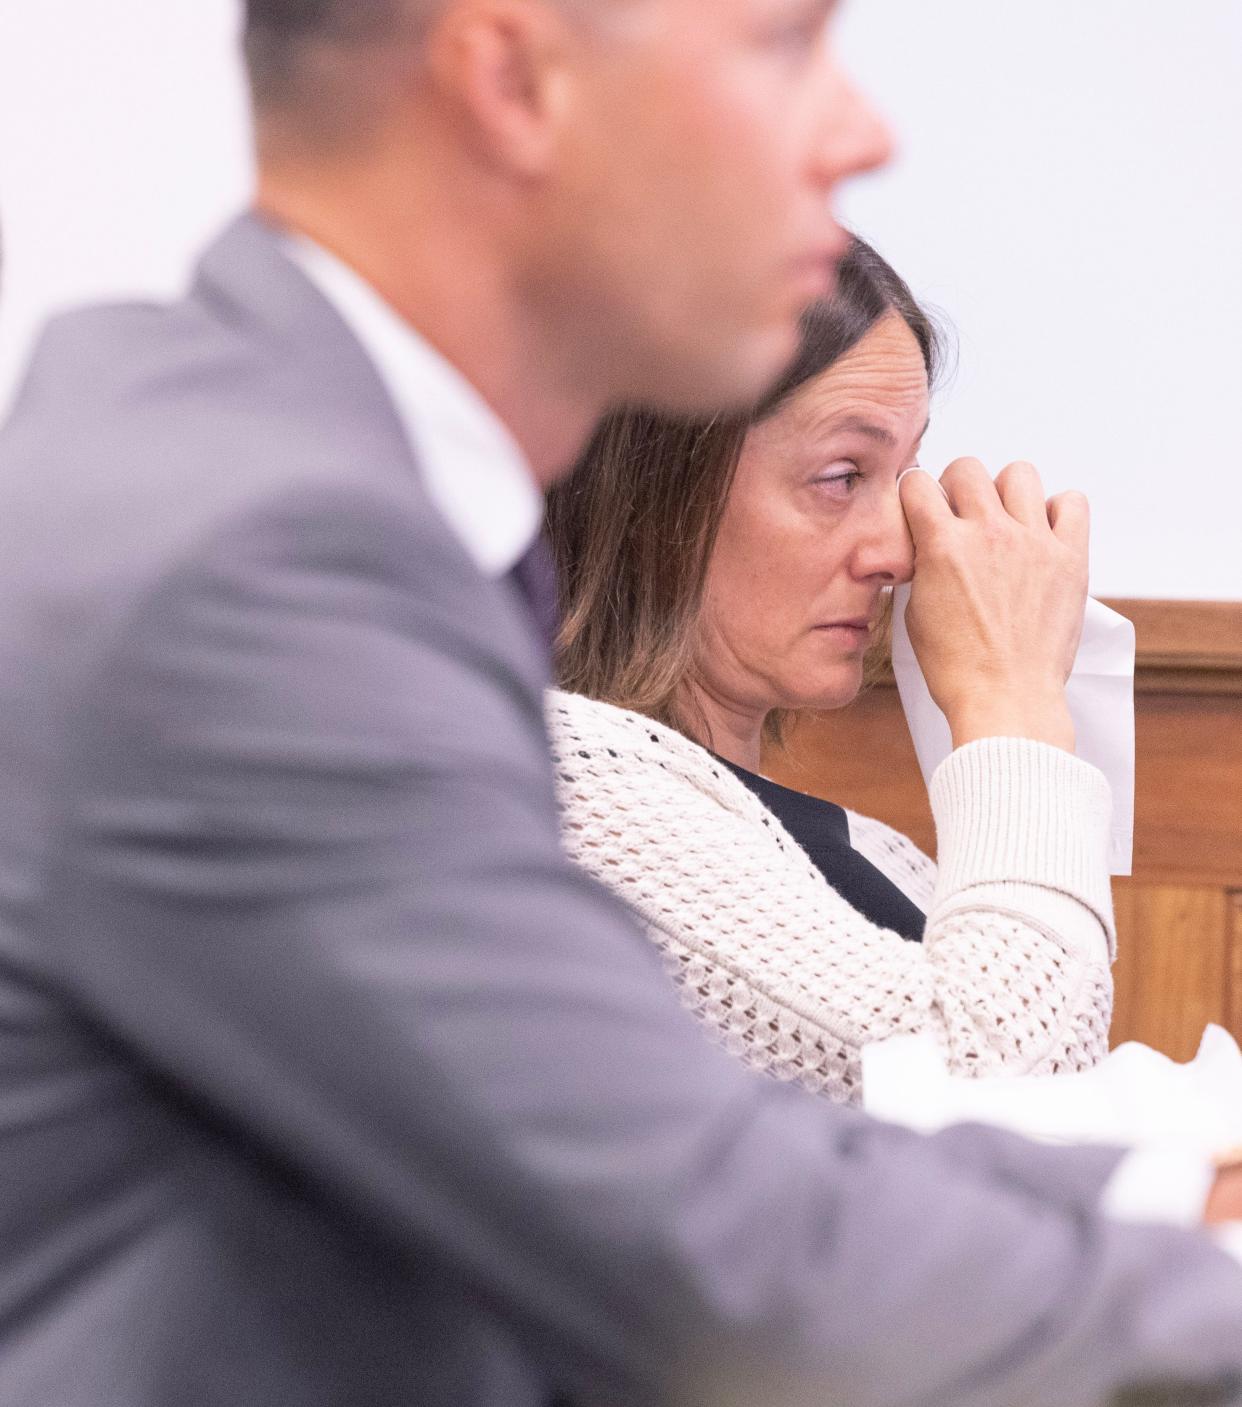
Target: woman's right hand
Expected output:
[997,600]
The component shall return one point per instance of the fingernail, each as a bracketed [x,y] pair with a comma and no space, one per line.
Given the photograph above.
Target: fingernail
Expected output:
[918,469]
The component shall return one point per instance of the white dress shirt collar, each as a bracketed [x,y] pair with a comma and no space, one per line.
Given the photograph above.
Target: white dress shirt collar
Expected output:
[473,469]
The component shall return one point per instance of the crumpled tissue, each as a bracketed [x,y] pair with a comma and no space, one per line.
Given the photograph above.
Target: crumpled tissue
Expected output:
[1135,1098]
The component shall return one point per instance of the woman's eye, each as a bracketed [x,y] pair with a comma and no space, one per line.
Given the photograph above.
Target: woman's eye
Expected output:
[840,483]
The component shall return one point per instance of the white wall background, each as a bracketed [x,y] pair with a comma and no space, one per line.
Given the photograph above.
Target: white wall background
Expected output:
[1069,194]
[123,141]
[1069,191]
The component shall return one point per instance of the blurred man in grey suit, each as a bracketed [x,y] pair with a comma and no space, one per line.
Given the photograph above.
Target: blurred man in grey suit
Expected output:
[324,1079]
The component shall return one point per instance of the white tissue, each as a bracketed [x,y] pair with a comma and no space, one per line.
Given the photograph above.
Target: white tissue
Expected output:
[1135,1097]
[1101,702]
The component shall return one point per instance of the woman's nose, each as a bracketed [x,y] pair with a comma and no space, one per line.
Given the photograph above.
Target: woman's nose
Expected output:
[886,549]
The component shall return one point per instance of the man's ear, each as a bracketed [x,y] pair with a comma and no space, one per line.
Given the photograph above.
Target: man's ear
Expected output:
[504,67]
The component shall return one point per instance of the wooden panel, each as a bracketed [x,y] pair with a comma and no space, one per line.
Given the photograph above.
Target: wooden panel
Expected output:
[1186,635]
[1235,965]
[1173,967]
[1188,788]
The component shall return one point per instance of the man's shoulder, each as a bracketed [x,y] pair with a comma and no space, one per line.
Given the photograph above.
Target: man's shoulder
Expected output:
[141,430]
[153,448]
[178,398]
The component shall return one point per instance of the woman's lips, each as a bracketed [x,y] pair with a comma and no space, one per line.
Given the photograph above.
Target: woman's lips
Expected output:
[849,632]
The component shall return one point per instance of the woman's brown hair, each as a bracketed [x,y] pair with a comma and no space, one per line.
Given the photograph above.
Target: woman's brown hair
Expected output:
[633,527]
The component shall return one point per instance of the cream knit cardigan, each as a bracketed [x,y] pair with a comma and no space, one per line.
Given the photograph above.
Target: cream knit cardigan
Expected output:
[1013,970]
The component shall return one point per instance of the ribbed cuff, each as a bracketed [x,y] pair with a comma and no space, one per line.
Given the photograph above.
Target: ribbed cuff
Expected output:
[1010,809]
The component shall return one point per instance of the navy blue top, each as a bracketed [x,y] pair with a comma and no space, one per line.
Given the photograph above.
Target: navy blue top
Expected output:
[823,831]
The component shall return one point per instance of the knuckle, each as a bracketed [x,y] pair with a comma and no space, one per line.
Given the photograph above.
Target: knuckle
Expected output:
[963,469]
[1021,474]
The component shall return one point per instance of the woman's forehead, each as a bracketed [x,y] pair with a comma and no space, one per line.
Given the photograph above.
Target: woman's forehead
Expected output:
[882,377]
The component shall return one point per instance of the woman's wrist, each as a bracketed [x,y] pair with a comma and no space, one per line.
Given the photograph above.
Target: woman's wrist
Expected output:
[1014,811]
[1043,717]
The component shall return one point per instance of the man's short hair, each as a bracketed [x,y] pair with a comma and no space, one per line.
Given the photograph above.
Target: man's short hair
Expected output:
[282,35]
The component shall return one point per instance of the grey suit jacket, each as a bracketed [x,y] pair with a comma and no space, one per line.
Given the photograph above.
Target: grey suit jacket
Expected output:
[324,1079]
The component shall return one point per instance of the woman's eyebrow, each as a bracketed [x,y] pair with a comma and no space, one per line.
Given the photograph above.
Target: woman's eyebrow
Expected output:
[860,425]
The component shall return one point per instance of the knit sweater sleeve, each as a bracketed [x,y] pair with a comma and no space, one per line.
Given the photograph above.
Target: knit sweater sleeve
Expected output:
[1013,972]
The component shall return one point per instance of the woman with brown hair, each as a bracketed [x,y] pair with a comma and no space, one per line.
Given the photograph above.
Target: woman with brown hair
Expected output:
[715,578]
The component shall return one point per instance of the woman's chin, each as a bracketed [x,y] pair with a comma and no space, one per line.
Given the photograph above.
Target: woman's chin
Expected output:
[830,691]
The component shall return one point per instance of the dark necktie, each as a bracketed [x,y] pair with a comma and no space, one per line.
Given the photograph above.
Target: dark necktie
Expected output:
[535,578]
